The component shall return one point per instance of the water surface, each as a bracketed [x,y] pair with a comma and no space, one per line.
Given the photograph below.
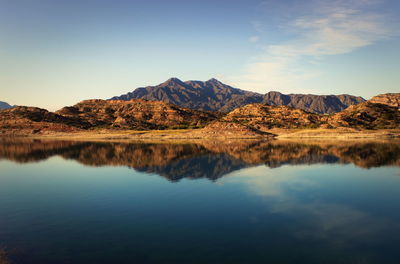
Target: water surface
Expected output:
[204,202]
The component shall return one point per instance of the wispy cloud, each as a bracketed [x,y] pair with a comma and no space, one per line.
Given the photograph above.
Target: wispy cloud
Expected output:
[317,29]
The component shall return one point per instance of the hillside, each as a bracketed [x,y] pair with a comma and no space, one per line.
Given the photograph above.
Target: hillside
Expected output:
[264,117]
[31,120]
[367,116]
[213,95]
[135,114]
[390,99]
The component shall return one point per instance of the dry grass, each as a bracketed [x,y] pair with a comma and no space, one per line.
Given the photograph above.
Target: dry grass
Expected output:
[182,134]
[339,133]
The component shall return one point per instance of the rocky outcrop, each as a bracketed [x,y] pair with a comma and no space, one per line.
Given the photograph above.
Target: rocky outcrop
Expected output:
[390,99]
[228,129]
[213,95]
[136,114]
[22,120]
[367,116]
[263,117]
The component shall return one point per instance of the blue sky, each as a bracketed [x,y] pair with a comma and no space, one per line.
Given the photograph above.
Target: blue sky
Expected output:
[56,53]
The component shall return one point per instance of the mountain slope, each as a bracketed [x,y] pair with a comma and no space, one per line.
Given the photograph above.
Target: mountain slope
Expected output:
[4,105]
[367,115]
[264,117]
[213,95]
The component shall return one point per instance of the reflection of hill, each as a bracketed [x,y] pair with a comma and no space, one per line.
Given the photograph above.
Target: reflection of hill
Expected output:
[203,159]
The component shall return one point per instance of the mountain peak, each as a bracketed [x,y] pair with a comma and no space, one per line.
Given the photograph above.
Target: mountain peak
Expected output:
[173,81]
[214,81]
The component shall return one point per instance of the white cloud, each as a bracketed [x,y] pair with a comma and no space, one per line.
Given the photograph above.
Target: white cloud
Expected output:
[323,28]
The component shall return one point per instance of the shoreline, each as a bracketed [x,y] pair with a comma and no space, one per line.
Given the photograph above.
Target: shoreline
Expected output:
[197,134]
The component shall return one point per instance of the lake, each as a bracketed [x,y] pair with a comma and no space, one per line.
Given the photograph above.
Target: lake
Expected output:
[202,202]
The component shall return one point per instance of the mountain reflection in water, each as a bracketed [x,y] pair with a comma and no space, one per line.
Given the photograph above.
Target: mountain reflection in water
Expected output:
[203,159]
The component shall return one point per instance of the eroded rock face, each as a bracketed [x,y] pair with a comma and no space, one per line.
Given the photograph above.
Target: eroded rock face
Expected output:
[390,99]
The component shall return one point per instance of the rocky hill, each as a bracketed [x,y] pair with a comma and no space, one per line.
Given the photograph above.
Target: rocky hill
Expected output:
[264,117]
[213,95]
[368,116]
[136,114]
[30,120]
[390,99]
[4,105]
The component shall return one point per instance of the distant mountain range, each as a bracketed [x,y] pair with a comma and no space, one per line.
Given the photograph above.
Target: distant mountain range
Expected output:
[213,95]
[4,105]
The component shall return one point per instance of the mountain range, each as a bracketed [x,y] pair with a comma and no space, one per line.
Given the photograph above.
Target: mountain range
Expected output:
[213,95]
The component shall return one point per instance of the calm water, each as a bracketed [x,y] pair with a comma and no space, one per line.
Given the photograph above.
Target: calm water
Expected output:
[211,202]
